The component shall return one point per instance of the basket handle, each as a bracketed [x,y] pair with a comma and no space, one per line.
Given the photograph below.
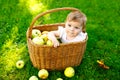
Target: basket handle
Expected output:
[44,13]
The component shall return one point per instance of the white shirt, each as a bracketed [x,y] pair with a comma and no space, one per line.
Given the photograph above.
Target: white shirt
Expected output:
[80,37]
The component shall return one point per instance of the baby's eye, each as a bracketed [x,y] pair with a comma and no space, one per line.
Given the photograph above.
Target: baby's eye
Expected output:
[77,28]
[69,25]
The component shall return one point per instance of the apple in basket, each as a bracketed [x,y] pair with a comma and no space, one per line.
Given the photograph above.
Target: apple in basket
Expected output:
[35,33]
[49,43]
[20,64]
[69,72]
[45,32]
[45,37]
[38,40]
[33,78]
[43,74]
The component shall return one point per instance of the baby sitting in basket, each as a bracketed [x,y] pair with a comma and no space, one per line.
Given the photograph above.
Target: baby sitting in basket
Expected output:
[74,30]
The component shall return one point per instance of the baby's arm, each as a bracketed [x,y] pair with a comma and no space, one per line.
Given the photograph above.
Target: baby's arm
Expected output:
[52,36]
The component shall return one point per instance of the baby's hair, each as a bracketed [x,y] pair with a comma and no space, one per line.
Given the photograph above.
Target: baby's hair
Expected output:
[77,16]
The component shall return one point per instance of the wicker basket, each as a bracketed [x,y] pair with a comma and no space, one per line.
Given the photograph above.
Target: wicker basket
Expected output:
[50,58]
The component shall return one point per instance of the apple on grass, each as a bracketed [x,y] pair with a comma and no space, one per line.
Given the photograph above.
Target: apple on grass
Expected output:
[35,33]
[33,78]
[20,64]
[43,74]
[38,40]
[69,72]
[59,79]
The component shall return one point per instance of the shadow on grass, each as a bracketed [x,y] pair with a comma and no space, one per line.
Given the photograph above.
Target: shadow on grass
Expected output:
[15,18]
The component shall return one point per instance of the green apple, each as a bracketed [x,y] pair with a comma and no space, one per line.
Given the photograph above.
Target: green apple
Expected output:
[20,64]
[49,43]
[35,33]
[33,78]
[38,40]
[45,32]
[45,37]
[69,72]
[59,79]
[43,74]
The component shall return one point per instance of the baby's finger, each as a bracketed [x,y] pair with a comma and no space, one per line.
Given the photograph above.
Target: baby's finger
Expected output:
[56,45]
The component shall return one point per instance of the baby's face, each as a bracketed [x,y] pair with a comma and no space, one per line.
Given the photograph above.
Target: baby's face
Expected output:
[73,28]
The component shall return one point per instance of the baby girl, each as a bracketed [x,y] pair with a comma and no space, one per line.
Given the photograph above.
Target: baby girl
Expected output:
[73,31]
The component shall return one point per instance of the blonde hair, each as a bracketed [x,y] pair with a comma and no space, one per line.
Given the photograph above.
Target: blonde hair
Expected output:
[77,16]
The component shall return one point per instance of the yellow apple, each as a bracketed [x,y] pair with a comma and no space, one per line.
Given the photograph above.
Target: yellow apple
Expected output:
[45,32]
[45,37]
[35,33]
[33,78]
[43,74]
[49,43]
[20,64]
[69,72]
[38,40]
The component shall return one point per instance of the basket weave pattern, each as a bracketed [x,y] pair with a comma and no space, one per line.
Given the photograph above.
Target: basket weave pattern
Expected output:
[48,57]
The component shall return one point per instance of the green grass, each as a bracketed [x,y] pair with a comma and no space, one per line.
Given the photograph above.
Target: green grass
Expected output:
[102,28]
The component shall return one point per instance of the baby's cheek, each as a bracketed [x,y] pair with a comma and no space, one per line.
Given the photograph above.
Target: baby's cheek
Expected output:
[76,33]
[67,30]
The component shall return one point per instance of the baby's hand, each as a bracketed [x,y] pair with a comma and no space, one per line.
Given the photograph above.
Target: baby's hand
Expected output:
[52,37]
[56,43]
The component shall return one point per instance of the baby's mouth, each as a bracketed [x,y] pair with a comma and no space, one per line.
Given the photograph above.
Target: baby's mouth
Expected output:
[71,32]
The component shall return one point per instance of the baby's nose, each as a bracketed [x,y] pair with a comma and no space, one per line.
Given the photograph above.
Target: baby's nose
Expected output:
[72,28]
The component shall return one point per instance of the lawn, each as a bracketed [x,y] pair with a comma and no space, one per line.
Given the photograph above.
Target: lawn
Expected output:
[102,28]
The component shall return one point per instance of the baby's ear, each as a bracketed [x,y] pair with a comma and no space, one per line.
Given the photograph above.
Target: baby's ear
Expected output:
[84,24]
[84,29]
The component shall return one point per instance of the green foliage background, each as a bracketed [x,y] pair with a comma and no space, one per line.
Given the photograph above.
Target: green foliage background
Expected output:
[102,28]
